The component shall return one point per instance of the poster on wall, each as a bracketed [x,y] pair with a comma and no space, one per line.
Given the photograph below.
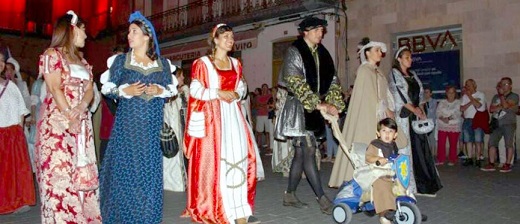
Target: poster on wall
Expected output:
[438,70]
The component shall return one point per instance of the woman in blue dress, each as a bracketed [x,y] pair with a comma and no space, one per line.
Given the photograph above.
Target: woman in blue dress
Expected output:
[131,179]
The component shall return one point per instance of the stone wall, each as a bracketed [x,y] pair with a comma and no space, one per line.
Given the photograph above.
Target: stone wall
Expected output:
[490,33]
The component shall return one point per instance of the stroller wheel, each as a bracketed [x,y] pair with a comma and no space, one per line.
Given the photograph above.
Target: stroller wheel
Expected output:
[409,214]
[341,213]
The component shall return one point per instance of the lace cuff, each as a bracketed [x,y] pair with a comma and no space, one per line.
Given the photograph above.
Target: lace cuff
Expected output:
[301,89]
[122,93]
[335,97]
[109,88]
[169,91]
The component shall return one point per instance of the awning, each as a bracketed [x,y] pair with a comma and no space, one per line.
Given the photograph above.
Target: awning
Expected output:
[243,40]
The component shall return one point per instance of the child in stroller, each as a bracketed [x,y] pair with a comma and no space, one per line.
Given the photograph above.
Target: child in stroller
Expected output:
[378,153]
[381,177]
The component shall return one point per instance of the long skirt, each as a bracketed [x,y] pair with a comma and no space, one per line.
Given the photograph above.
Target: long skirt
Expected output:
[16,177]
[426,175]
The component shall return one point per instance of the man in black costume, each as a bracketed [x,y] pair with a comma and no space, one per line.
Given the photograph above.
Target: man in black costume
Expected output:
[309,77]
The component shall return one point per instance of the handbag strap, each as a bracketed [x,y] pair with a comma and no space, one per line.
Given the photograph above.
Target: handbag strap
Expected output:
[5,87]
[398,90]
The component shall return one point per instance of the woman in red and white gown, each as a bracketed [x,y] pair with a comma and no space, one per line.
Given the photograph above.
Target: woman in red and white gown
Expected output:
[219,143]
[68,78]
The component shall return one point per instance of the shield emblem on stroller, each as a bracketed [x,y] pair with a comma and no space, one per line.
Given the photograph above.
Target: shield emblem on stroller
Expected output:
[402,169]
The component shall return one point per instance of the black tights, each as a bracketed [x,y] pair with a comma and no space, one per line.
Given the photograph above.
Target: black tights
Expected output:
[305,161]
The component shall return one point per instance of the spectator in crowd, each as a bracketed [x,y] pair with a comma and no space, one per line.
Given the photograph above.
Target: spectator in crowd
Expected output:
[262,117]
[430,107]
[37,97]
[246,111]
[504,106]
[174,171]
[331,145]
[17,184]
[12,72]
[254,110]
[271,116]
[448,123]
[473,101]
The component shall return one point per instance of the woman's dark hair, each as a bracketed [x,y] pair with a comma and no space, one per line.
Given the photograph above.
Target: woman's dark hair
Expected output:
[151,52]
[63,36]
[118,49]
[364,42]
[387,122]
[214,34]
[396,64]
[259,90]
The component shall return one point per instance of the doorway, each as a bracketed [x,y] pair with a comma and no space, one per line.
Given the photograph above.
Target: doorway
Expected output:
[279,48]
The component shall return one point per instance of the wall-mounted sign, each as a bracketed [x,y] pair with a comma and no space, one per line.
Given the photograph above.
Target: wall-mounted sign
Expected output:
[436,55]
[443,39]
[438,70]
[419,43]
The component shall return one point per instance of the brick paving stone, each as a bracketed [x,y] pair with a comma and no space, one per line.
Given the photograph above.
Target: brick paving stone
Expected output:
[469,196]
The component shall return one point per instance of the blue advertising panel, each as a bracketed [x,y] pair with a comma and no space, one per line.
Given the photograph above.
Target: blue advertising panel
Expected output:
[438,70]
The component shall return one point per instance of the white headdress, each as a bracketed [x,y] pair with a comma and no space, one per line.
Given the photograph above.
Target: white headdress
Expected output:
[362,55]
[214,31]
[400,50]
[173,68]
[16,68]
[74,19]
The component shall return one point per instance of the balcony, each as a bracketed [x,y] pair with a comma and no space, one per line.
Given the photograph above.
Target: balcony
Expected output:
[199,17]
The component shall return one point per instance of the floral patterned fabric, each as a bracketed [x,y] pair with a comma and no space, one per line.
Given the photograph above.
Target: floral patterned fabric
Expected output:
[56,152]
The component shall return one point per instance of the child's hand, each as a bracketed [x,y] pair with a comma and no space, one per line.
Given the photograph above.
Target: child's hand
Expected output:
[381,161]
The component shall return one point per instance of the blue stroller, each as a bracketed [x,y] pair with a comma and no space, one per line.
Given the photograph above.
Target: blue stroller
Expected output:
[354,196]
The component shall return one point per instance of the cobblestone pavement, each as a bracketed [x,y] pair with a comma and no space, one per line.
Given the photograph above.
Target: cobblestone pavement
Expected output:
[469,196]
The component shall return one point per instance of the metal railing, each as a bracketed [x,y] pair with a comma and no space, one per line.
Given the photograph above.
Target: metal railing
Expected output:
[210,11]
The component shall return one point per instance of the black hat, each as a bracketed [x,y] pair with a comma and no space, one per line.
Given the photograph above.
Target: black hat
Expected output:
[310,23]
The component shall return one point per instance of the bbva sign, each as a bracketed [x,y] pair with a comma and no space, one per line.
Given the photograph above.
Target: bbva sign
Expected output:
[420,43]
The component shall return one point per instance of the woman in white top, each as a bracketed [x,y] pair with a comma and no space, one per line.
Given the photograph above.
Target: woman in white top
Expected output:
[17,184]
[448,124]
[174,172]
[12,69]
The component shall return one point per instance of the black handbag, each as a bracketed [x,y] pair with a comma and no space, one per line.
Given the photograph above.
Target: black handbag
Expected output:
[169,142]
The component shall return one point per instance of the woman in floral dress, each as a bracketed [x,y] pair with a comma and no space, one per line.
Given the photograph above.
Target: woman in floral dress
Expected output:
[69,80]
